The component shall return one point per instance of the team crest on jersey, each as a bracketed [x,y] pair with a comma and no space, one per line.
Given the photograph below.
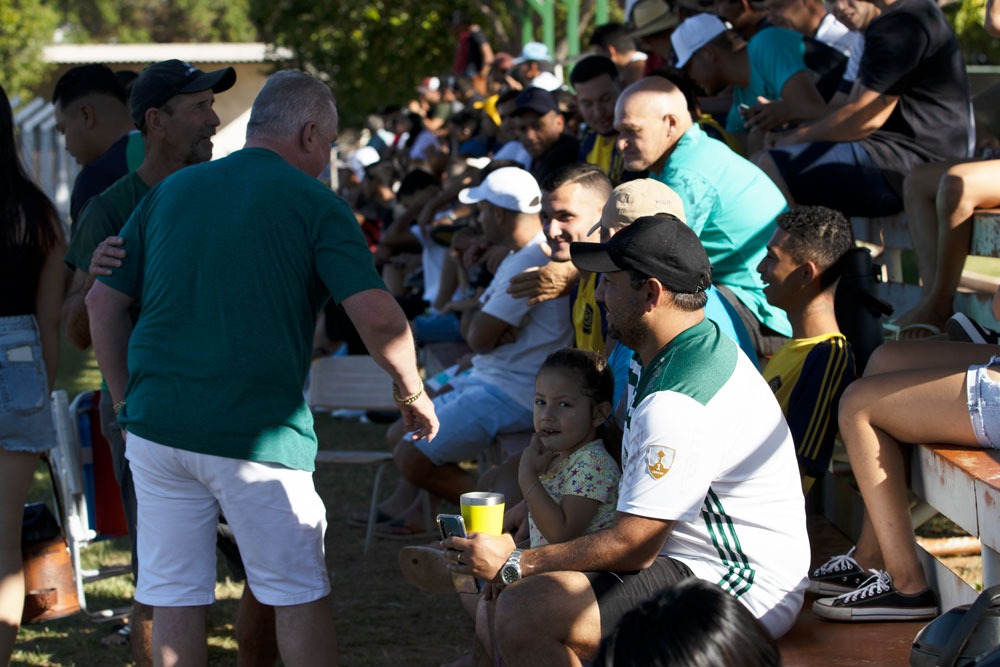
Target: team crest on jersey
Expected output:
[659,460]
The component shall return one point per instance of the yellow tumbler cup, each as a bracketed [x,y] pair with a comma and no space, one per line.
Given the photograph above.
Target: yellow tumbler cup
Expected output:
[483,512]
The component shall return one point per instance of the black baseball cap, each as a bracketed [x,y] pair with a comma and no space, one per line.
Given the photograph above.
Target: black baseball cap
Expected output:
[658,246]
[161,81]
[535,99]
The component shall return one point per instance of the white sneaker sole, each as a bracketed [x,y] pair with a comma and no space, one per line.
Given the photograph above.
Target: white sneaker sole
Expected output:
[872,613]
[828,588]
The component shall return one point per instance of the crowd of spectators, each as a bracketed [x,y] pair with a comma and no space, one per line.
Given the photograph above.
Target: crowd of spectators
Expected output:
[675,208]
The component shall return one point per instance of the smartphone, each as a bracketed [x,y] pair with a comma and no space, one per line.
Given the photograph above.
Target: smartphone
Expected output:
[453,525]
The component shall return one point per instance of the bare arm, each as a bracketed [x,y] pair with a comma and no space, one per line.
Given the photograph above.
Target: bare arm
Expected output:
[107,255]
[485,332]
[74,311]
[632,543]
[865,112]
[992,22]
[557,521]
[386,333]
[110,329]
[799,101]
[48,300]
[546,282]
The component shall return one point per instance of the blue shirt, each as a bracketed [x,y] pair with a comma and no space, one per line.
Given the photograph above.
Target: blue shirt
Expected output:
[776,54]
[731,204]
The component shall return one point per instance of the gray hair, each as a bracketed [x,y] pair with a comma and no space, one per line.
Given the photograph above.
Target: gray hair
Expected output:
[289,100]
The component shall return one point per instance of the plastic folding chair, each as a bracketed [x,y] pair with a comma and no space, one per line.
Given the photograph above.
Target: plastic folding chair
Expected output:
[355,382]
[72,470]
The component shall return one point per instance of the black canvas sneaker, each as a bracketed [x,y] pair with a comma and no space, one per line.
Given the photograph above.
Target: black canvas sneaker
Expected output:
[877,600]
[840,574]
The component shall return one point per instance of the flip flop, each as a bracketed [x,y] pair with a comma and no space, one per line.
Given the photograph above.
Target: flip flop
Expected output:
[398,529]
[426,568]
[360,518]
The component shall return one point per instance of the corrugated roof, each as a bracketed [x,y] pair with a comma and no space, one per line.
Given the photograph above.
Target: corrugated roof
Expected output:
[245,52]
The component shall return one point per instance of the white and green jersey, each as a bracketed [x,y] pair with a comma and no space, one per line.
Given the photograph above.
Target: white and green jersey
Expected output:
[706,446]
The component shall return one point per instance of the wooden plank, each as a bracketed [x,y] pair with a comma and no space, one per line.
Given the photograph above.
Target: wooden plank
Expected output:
[941,477]
[890,231]
[986,233]
[813,641]
[351,382]
[952,590]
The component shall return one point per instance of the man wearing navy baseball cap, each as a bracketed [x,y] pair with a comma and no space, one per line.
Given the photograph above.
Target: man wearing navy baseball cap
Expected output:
[541,130]
[709,475]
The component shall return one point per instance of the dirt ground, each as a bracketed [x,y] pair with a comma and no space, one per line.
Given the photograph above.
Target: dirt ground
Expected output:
[381,620]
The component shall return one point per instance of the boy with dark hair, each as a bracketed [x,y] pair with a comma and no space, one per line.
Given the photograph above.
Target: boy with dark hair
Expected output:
[809,373]
[614,41]
[595,80]
[91,112]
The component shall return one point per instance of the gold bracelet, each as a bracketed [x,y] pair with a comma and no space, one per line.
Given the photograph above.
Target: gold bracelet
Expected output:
[117,407]
[407,400]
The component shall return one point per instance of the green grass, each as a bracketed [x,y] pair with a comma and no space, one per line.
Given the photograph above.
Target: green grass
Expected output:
[380,619]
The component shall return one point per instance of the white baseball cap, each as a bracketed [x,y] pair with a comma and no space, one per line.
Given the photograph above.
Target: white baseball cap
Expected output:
[511,188]
[361,158]
[694,33]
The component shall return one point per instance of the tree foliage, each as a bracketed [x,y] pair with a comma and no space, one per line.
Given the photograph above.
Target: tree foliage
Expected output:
[374,53]
[967,17]
[135,21]
[25,26]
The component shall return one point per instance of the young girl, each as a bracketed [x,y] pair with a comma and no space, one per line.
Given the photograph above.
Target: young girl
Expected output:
[568,478]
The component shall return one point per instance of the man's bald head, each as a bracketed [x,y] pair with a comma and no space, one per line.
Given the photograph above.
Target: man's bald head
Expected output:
[651,116]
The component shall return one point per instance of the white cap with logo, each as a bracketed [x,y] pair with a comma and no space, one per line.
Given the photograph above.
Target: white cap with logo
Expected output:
[511,188]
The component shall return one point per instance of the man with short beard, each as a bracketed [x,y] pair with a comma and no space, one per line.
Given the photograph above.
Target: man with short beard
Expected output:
[708,485]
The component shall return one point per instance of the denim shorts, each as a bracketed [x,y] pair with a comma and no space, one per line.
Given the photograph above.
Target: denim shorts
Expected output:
[25,407]
[984,403]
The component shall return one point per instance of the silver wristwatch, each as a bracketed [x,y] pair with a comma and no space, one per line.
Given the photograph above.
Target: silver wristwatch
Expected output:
[511,571]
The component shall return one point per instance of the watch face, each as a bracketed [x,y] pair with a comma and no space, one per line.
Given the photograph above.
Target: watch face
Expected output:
[509,574]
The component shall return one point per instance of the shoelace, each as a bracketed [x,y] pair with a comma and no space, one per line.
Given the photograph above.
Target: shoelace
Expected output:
[839,563]
[880,582]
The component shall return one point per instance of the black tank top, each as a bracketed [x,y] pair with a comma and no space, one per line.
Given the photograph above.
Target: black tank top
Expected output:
[20,269]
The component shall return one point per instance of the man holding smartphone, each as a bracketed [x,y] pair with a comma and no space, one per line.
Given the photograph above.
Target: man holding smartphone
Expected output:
[709,482]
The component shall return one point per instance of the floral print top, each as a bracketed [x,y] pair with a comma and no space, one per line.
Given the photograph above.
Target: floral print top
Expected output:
[589,472]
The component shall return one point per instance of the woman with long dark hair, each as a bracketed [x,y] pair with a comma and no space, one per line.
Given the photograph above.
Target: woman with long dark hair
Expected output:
[32,246]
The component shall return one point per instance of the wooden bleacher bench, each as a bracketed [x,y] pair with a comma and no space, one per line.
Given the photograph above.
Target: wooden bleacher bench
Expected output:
[975,295]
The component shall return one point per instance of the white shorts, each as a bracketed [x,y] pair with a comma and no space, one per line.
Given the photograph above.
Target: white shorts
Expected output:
[275,514]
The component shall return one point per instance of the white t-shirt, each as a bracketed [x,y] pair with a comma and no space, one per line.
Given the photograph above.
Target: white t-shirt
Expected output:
[706,446]
[543,328]
[849,42]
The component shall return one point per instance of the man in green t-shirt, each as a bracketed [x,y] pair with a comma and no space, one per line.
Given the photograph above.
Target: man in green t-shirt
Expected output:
[231,261]
[172,107]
